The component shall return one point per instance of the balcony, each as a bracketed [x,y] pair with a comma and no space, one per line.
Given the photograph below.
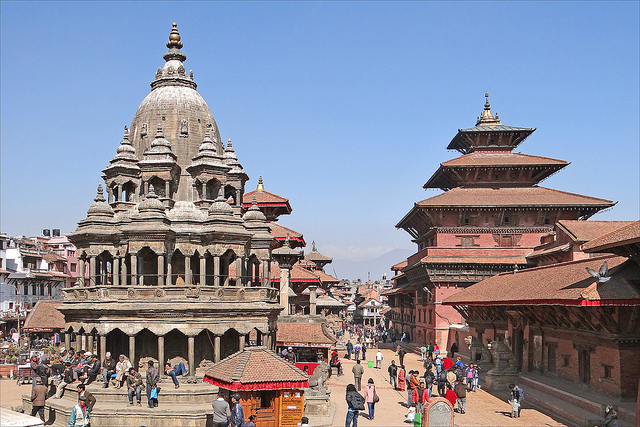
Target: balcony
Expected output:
[172,293]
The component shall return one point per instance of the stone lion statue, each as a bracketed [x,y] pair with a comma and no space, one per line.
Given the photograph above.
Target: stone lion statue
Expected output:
[479,353]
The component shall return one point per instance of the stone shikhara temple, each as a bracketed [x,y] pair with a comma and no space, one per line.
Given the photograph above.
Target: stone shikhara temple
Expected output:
[155,254]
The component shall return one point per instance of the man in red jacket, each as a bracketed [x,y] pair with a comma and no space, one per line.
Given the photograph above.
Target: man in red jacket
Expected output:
[420,396]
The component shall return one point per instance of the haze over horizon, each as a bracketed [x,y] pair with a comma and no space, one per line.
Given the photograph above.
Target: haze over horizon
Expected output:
[345,108]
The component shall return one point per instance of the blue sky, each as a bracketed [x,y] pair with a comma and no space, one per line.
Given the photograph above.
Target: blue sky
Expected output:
[344,107]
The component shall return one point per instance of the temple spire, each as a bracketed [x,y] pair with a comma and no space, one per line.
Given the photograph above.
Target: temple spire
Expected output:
[174,44]
[260,188]
[487,117]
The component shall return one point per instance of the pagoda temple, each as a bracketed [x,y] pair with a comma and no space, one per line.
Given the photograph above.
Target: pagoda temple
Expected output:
[491,214]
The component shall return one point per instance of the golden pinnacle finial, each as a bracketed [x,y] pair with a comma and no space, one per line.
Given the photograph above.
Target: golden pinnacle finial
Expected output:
[260,188]
[174,38]
[487,118]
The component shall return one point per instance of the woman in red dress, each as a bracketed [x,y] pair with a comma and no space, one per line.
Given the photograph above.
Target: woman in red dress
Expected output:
[402,377]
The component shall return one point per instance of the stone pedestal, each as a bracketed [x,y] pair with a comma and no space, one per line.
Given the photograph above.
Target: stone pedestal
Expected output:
[438,413]
[316,402]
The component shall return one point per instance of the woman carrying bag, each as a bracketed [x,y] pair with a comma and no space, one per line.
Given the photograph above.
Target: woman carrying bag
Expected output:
[371,397]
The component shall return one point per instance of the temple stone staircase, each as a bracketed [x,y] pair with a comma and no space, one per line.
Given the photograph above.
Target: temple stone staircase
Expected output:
[188,406]
[572,404]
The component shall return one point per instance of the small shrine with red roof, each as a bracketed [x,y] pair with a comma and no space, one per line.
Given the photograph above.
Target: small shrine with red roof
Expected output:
[269,386]
[491,214]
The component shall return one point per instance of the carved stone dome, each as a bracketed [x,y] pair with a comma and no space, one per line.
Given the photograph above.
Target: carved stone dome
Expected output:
[175,104]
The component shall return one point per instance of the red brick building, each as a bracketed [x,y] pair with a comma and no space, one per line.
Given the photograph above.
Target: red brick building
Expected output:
[491,214]
[567,322]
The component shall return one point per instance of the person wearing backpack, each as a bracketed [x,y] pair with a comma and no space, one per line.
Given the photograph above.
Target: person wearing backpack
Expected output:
[442,382]
[429,378]
[517,394]
[355,403]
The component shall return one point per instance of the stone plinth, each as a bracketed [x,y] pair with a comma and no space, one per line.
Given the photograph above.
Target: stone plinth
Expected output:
[438,413]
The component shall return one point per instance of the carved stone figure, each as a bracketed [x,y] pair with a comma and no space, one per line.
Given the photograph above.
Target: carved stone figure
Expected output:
[320,375]
[479,353]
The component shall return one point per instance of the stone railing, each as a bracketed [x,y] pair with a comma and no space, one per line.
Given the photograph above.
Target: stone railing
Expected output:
[171,293]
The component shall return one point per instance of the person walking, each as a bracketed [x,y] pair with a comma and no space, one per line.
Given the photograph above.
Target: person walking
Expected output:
[369,395]
[152,378]
[401,353]
[450,395]
[38,398]
[237,413]
[379,358]
[517,394]
[355,404]
[80,414]
[358,371]
[356,350]
[461,392]
[393,372]
[221,412]
[349,349]
[89,398]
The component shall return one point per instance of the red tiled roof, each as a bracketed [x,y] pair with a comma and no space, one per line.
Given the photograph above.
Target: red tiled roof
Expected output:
[324,277]
[307,333]
[512,196]
[317,256]
[583,231]
[502,159]
[51,256]
[45,316]
[565,283]
[280,232]
[549,249]
[256,368]
[399,266]
[263,197]
[623,236]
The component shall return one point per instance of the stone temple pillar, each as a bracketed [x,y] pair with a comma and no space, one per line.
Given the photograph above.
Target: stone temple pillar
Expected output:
[160,270]
[203,270]
[115,274]
[103,347]
[132,351]
[312,299]
[92,270]
[239,272]
[216,349]
[216,270]
[266,273]
[67,340]
[169,270]
[191,340]
[161,353]
[284,290]
[242,343]
[134,269]
[187,270]
[80,273]
[90,343]
[123,271]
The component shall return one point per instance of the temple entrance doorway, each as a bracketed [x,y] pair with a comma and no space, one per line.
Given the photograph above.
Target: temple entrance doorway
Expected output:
[229,343]
[117,343]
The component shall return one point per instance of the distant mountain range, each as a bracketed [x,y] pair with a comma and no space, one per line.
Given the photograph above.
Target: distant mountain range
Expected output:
[373,268]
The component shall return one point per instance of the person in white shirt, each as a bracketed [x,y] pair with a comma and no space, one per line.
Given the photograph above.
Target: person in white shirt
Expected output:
[122,370]
[379,359]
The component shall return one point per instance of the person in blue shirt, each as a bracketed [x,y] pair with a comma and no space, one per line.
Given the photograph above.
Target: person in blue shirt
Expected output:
[237,414]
